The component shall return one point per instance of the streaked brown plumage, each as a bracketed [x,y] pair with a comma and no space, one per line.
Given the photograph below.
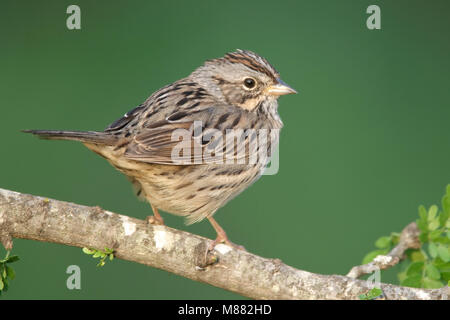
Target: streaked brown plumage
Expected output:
[238,91]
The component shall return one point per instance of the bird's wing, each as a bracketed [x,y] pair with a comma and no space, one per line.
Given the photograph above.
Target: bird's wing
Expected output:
[125,120]
[196,137]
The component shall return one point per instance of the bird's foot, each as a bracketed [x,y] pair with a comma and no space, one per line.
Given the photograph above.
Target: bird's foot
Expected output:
[211,257]
[155,220]
[222,238]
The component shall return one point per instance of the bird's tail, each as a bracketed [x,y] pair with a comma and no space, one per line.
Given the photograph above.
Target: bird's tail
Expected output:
[83,136]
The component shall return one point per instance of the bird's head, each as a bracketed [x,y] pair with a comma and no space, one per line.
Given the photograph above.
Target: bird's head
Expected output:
[243,79]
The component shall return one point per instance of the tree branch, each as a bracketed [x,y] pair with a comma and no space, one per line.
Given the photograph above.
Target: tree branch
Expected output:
[36,218]
[409,239]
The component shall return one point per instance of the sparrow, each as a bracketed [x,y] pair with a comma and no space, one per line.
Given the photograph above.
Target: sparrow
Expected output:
[174,147]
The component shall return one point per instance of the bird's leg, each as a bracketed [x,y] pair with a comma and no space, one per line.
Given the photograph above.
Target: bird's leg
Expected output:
[156,217]
[221,236]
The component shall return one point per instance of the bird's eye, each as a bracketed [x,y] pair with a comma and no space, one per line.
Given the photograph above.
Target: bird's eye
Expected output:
[249,83]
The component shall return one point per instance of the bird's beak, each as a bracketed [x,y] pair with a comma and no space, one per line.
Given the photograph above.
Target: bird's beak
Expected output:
[280,88]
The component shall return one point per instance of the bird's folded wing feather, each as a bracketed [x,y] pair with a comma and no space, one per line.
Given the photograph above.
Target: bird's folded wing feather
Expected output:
[194,137]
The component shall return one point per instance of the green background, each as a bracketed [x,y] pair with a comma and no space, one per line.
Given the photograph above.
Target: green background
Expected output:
[365,141]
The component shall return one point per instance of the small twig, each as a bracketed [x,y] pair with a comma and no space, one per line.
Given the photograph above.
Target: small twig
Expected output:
[409,239]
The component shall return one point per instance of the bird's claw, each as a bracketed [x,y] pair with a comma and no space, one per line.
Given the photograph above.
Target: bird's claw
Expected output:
[153,220]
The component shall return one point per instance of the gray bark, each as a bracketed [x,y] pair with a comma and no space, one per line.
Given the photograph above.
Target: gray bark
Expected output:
[37,218]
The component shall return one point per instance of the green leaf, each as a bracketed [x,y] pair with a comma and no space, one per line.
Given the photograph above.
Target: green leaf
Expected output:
[88,251]
[395,238]
[423,237]
[441,265]
[413,281]
[383,242]
[12,259]
[434,224]
[443,253]
[434,234]
[375,292]
[444,241]
[423,213]
[401,276]
[3,271]
[422,223]
[432,212]
[10,272]
[5,285]
[372,294]
[444,218]
[417,255]
[445,214]
[445,276]
[432,272]
[1,284]
[96,254]
[446,201]
[414,269]
[432,284]
[111,257]
[432,249]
